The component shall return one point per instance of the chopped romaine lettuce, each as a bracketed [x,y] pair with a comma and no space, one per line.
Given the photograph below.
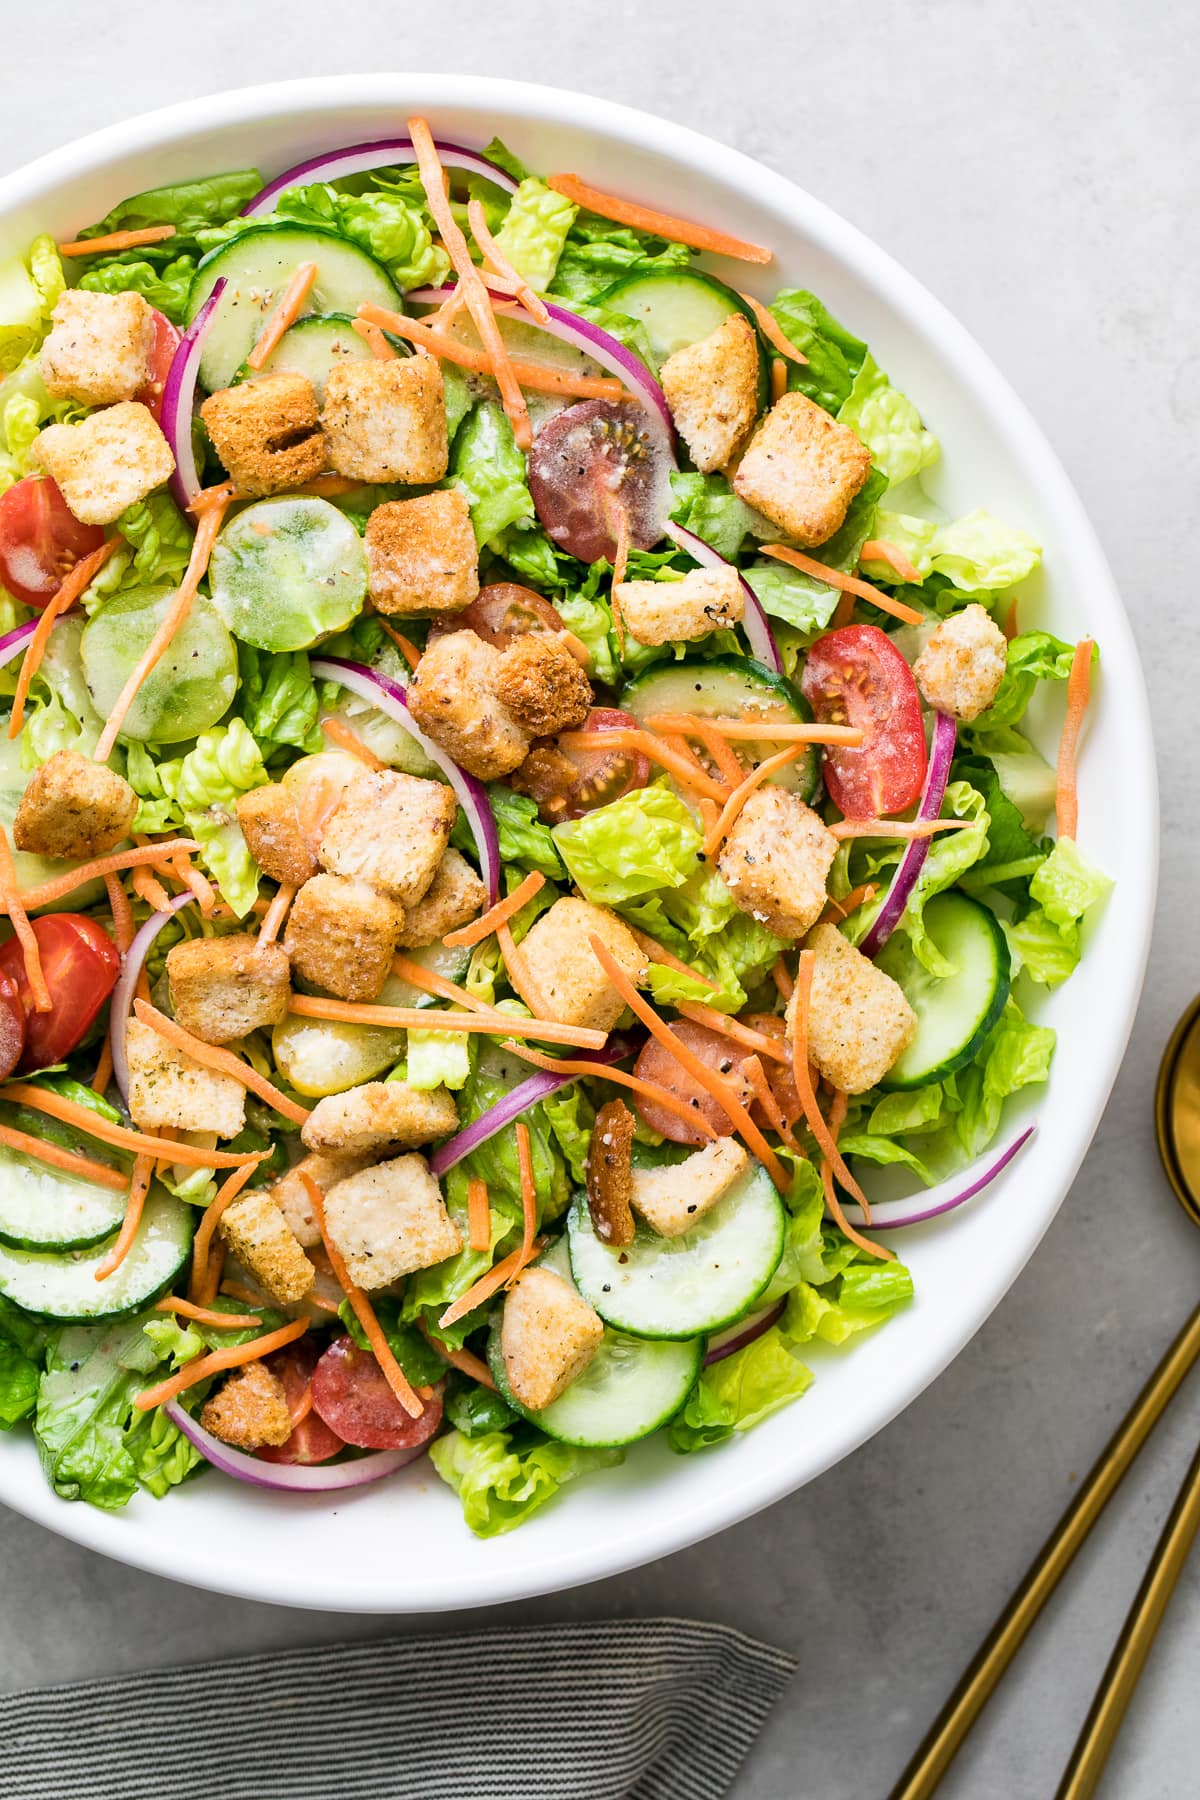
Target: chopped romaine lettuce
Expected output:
[636,845]
[835,355]
[490,471]
[888,424]
[500,1484]
[534,231]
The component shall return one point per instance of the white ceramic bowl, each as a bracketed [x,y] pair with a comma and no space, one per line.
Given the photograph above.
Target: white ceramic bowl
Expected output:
[357,1552]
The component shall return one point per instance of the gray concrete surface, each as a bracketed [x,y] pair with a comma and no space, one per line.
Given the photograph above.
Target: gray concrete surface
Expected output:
[1037,167]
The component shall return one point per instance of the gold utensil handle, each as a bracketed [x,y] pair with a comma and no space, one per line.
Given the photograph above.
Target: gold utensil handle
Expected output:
[941,1743]
[1133,1646]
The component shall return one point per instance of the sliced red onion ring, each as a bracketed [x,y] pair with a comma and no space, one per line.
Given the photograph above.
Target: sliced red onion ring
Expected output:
[724,1343]
[518,1101]
[897,1221]
[941,755]
[121,1004]
[390,698]
[179,396]
[290,1478]
[756,625]
[356,159]
[14,641]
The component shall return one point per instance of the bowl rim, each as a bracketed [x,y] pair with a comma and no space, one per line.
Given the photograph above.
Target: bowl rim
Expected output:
[655,1535]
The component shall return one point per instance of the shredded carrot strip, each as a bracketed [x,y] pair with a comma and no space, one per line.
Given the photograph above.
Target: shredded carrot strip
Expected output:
[276,913]
[404,645]
[682,748]
[73,585]
[742,793]
[237,1290]
[755,1074]
[666,959]
[479,1214]
[907,829]
[217,1360]
[709,1080]
[430,982]
[775,731]
[836,910]
[117,240]
[843,612]
[535,376]
[82,1166]
[1011,619]
[139,1187]
[620,564]
[521,976]
[500,264]
[223,1061]
[284,313]
[528,1192]
[229,1190]
[375,341]
[364,1312]
[729,764]
[204,1285]
[340,733]
[655,750]
[104,1068]
[849,584]
[834,1206]
[774,333]
[122,913]
[778,379]
[880,550]
[160,643]
[709,813]
[782,978]
[30,949]
[497,1277]
[152,891]
[198,882]
[448,310]
[658,224]
[462,1360]
[1079,687]
[650,1089]
[57,1106]
[804,1086]
[757,1041]
[500,914]
[225,492]
[188,1309]
[46,891]
[412,1018]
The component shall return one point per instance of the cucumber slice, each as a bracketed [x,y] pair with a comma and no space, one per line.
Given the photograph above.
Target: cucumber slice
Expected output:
[315,345]
[954,1015]
[730,687]
[64,1286]
[257,266]
[675,1287]
[679,307]
[191,685]
[287,572]
[321,1056]
[41,1209]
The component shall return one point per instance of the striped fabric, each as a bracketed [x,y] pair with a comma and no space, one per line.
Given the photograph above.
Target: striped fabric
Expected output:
[640,1709]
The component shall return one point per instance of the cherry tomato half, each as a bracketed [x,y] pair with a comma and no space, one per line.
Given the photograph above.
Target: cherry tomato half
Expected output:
[568,783]
[501,613]
[41,540]
[856,676]
[311,1440]
[12,1026]
[656,1063]
[351,1394]
[780,1079]
[162,355]
[589,464]
[81,964]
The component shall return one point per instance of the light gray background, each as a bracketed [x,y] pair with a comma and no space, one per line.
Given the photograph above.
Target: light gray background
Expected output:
[1036,165]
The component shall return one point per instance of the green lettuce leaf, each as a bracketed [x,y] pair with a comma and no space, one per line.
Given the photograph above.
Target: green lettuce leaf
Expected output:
[976,554]
[862,1296]
[389,227]
[499,1485]
[1016,1054]
[160,538]
[636,845]
[534,232]
[279,699]
[490,470]
[737,1393]
[888,424]
[205,784]
[165,286]
[188,205]
[707,505]
[19,1377]
[475,1410]
[570,1116]
[598,252]
[525,843]
[835,355]
[1067,885]
[29,292]
[1033,656]
[84,1406]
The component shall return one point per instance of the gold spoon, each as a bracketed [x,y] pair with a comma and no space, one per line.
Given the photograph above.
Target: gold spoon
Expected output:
[1177,1127]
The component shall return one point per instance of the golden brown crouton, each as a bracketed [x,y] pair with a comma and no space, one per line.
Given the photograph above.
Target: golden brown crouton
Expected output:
[961,667]
[292,1197]
[386,421]
[266,432]
[73,807]
[564,965]
[389,1221]
[421,555]
[259,1236]
[662,612]
[342,936]
[273,833]
[111,460]
[858,1018]
[390,830]
[542,686]
[453,696]
[168,1088]
[249,1409]
[378,1117]
[548,1336]
[674,1198]
[712,390]
[776,860]
[224,987]
[802,469]
[99,347]
[455,895]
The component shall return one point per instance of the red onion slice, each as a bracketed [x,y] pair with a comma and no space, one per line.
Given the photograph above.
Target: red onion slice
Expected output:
[356,159]
[756,625]
[518,1101]
[390,698]
[736,1337]
[14,641]
[941,755]
[179,397]
[289,1478]
[898,1221]
[121,1004]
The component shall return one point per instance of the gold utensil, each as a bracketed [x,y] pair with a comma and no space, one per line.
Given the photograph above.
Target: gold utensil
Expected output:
[1177,1126]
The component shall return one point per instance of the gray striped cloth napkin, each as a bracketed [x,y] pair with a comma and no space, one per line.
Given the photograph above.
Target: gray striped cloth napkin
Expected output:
[638,1709]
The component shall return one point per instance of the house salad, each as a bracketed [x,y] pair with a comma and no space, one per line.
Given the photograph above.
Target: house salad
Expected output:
[514,804]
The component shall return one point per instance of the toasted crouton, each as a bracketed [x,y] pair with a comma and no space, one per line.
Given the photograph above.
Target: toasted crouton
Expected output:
[379,1116]
[455,895]
[224,987]
[776,860]
[259,1236]
[169,1089]
[98,350]
[421,555]
[569,976]
[389,1221]
[542,686]
[858,1018]
[274,836]
[712,391]
[249,1409]
[73,807]
[802,469]
[390,830]
[663,612]
[674,1198]
[548,1336]
[111,460]
[292,1197]
[386,421]
[342,935]
[961,667]
[266,432]
[453,696]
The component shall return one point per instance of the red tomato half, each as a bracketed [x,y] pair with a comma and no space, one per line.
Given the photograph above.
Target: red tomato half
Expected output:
[81,964]
[591,463]
[568,783]
[311,1440]
[351,1394]
[162,355]
[12,1027]
[503,612]
[856,676]
[41,540]
[656,1063]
